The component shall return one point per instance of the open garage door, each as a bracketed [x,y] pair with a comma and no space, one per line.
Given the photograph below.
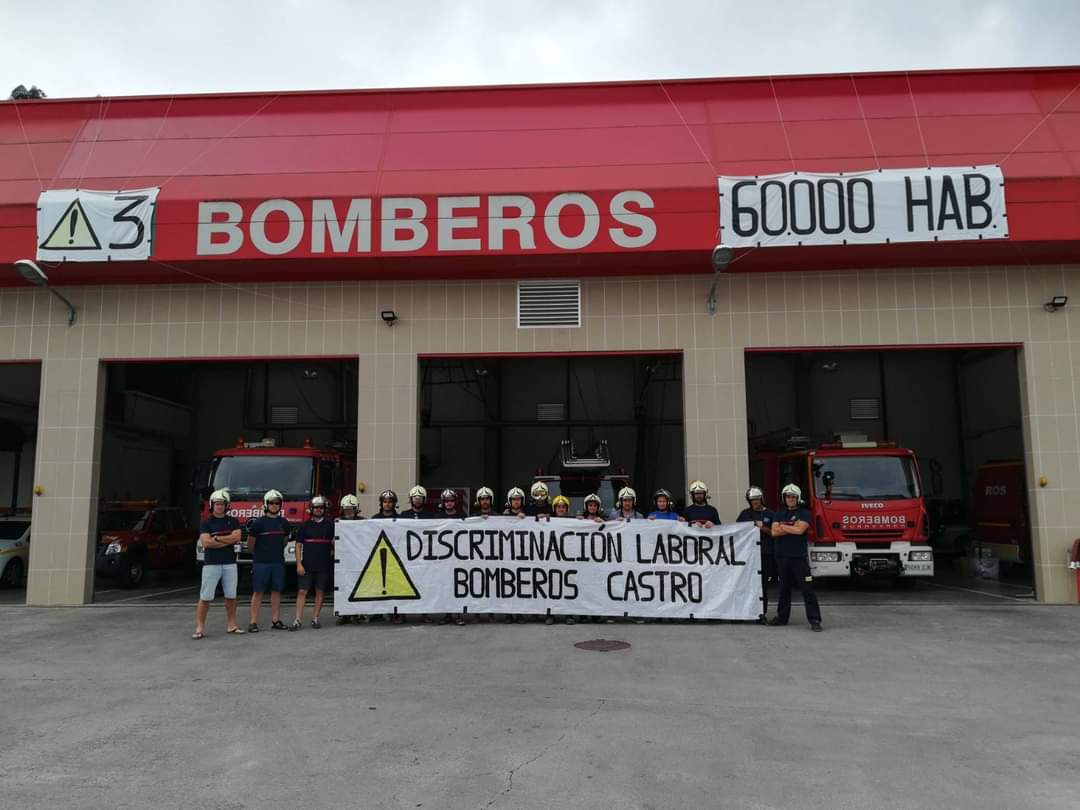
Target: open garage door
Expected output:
[175,430]
[847,424]
[502,421]
[21,385]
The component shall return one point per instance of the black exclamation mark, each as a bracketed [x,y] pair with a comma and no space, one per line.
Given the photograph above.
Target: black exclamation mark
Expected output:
[71,225]
[382,563]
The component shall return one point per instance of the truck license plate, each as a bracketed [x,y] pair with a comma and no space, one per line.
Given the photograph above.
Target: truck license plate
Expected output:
[877,564]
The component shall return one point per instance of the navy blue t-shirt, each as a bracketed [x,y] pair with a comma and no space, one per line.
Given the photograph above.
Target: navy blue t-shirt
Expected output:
[701,512]
[765,517]
[412,514]
[269,534]
[791,545]
[538,507]
[219,526]
[316,539]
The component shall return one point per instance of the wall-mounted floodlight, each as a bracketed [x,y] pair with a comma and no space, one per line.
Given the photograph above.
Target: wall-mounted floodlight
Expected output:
[29,270]
[721,259]
[1056,303]
[388,316]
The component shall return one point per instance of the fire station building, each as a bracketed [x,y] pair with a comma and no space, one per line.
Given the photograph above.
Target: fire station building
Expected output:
[447,283]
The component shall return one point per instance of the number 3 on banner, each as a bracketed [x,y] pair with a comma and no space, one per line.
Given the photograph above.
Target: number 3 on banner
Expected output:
[123,216]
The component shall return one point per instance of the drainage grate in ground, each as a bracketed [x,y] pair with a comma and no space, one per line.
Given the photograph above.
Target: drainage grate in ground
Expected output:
[603,645]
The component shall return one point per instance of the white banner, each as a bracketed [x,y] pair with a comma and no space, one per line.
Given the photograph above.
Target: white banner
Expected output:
[565,566]
[861,208]
[78,225]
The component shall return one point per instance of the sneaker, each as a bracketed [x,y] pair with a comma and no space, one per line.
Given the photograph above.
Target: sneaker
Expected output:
[278,625]
[549,620]
[571,620]
[316,623]
[253,628]
[296,625]
[343,620]
[776,621]
[460,621]
[816,627]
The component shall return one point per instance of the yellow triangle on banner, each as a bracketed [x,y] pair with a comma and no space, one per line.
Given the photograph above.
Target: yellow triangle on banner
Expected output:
[72,232]
[384,576]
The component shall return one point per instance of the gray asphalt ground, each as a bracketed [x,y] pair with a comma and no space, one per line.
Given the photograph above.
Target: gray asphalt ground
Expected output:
[919,705]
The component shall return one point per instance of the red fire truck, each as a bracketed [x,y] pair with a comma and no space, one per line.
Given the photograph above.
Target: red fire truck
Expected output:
[999,512]
[865,498]
[249,469]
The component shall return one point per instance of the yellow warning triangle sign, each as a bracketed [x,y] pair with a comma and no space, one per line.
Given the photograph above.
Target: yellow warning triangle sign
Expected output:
[384,576]
[72,232]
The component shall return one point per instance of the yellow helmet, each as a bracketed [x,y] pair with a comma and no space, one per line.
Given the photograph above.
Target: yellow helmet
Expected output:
[560,499]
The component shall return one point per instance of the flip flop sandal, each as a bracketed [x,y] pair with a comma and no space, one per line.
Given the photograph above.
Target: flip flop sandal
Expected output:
[197,636]
[235,631]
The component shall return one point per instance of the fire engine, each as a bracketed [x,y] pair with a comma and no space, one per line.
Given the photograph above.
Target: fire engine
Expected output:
[999,512]
[249,469]
[868,515]
[581,475]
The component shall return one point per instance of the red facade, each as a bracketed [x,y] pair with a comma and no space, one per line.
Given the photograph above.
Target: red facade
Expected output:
[668,141]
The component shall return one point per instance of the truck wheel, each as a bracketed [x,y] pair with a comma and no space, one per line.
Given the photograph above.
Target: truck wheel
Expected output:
[13,574]
[134,573]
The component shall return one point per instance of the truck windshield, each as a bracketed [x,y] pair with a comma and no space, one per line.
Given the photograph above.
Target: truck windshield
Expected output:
[248,477]
[860,478]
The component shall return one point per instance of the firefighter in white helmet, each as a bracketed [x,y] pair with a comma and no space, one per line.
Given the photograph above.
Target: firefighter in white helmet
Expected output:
[625,506]
[349,507]
[267,536]
[218,534]
[699,512]
[593,508]
[450,505]
[663,507]
[515,502]
[790,525]
[485,503]
[758,513]
[539,506]
[417,505]
[314,560]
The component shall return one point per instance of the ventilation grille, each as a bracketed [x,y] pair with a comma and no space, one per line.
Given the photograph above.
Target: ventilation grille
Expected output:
[550,412]
[284,415]
[868,408]
[549,304]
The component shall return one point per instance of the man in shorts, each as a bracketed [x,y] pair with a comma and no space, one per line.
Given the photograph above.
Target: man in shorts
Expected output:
[314,560]
[267,536]
[218,535]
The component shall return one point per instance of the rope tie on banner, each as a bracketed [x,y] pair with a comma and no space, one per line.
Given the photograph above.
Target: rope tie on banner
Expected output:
[103,111]
[918,121]
[1041,121]
[783,125]
[29,150]
[866,123]
[153,143]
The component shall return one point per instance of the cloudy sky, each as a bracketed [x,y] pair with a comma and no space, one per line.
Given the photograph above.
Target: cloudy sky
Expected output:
[86,48]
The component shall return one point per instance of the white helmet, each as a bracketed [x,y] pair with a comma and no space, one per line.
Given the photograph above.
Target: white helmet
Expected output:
[539,490]
[484,492]
[271,495]
[221,495]
[756,492]
[592,497]
[699,486]
[791,489]
[350,502]
[418,492]
[448,494]
[515,492]
[627,492]
[319,500]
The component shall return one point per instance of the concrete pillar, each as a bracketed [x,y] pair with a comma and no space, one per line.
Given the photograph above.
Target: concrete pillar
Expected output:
[67,471]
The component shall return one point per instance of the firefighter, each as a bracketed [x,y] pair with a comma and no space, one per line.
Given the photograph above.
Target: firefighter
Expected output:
[699,512]
[515,502]
[314,560]
[387,506]
[593,508]
[349,507]
[448,505]
[662,506]
[625,506]
[267,536]
[789,527]
[219,535]
[485,503]
[758,514]
[539,506]
[417,505]
[560,506]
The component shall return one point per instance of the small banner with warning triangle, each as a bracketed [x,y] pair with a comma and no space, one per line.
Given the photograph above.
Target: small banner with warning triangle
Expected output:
[559,567]
[80,225]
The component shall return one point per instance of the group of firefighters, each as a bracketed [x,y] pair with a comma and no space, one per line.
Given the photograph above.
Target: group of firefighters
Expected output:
[783,542]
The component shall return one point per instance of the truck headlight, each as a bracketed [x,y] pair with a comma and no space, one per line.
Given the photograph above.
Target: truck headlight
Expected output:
[826,556]
[114,548]
[921,556]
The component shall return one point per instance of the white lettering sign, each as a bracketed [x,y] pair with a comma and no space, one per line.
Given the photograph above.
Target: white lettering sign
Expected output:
[889,205]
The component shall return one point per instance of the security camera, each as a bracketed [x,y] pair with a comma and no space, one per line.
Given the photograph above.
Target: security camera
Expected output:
[721,258]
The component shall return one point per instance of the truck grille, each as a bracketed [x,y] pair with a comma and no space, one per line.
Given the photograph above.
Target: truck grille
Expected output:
[873,534]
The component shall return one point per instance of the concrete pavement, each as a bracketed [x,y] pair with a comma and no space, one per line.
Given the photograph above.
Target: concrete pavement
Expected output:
[910,706]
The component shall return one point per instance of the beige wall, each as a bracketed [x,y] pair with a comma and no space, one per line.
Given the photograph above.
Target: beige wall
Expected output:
[793,309]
